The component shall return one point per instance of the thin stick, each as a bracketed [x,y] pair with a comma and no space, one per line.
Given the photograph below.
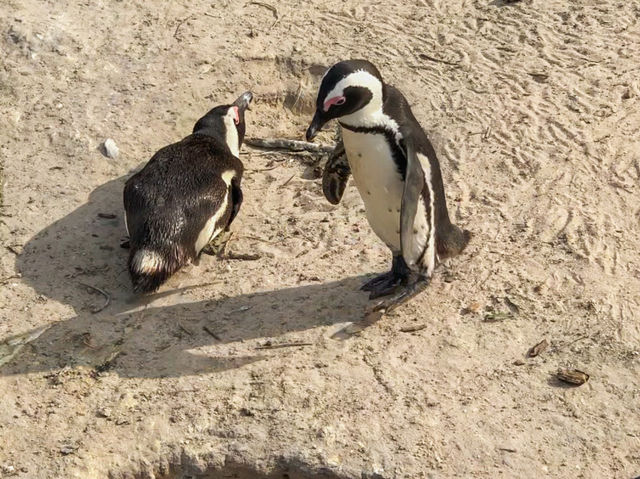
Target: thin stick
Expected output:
[242,257]
[273,9]
[286,144]
[103,293]
[211,333]
[283,345]
[263,169]
[412,329]
[424,56]
[287,182]
[9,278]
[175,34]
[185,329]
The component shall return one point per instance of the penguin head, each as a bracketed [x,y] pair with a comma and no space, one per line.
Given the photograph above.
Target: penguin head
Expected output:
[350,88]
[226,122]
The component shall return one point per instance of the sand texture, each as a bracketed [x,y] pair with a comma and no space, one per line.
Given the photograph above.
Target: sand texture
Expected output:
[534,109]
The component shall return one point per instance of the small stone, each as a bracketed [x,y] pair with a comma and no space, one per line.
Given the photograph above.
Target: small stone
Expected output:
[103,412]
[66,450]
[9,470]
[518,362]
[109,148]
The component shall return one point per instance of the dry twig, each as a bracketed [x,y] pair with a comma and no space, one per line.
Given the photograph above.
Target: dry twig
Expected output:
[211,333]
[286,144]
[175,34]
[103,293]
[283,345]
[424,56]
[273,9]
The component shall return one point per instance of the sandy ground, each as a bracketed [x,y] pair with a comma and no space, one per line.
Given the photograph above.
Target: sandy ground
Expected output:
[535,109]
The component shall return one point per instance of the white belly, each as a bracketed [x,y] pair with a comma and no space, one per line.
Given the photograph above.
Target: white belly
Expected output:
[378,181]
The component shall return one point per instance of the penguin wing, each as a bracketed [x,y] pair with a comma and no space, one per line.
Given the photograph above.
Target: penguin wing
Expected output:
[417,228]
[236,200]
[336,174]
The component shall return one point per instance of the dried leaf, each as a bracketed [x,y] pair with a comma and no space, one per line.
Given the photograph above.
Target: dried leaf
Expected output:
[538,348]
[572,376]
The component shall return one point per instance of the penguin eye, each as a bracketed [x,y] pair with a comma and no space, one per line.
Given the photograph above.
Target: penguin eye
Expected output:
[236,116]
[336,100]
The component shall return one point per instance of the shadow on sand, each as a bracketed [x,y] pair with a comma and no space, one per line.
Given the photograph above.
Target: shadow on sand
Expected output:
[148,340]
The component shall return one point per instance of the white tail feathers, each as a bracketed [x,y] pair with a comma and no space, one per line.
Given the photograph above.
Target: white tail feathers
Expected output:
[147,262]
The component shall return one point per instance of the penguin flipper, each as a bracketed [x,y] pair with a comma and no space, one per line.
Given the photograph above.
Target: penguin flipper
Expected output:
[236,200]
[417,238]
[336,174]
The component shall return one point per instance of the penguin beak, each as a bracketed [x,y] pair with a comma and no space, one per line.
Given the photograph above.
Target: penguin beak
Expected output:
[243,101]
[316,124]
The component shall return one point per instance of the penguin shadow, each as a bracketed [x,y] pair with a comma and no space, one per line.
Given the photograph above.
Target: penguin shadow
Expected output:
[143,339]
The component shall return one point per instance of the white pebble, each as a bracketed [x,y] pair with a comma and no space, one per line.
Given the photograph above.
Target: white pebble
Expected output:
[110,148]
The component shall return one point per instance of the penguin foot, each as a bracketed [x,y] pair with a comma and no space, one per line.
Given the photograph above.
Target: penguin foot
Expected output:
[385,288]
[378,280]
[388,283]
[408,292]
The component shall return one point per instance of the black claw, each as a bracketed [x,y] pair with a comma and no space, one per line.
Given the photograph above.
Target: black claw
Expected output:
[385,289]
[125,244]
[388,283]
[411,290]
[375,282]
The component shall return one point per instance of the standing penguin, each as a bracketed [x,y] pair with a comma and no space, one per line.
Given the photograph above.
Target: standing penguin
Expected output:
[396,172]
[187,194]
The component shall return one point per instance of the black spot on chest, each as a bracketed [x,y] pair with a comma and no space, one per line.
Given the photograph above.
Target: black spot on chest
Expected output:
[397,154]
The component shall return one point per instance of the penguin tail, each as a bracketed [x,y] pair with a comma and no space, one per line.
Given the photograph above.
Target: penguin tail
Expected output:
[149,269]
[453,241]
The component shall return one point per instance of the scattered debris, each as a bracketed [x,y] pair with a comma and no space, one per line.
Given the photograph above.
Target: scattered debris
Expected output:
[511,305]
[9,278]
[107,216]
[287,182]
[572,376]
[539,77]
[110,149]
[538,348]
[241,309]
[107,363]
[8,470]
[507,449]
[103,293]
[15,249]
[269,345]
[519,362]
[273,9]
[496,316]
[180,23]
[67,449]
[104,412]
[242,257]
[286,144]
[10,347]
[473,307]
[412,329]
[185,329]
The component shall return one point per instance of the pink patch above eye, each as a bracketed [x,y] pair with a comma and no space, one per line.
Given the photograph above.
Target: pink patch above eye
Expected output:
[336,100]
[236,118]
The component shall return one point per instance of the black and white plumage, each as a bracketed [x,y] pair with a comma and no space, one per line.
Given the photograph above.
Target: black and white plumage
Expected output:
[396,171]
[186,195]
